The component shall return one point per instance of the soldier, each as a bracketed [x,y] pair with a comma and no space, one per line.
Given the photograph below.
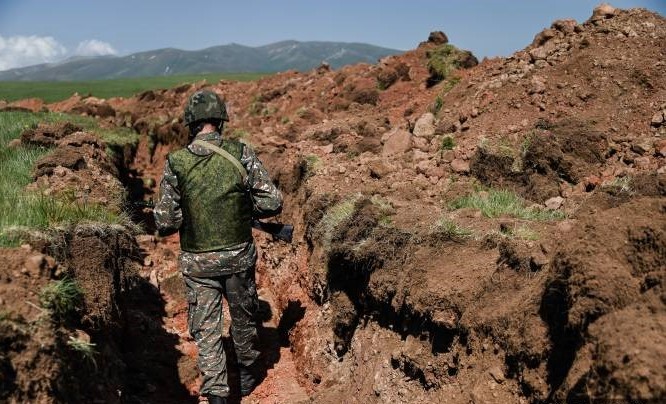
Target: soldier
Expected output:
[211,196]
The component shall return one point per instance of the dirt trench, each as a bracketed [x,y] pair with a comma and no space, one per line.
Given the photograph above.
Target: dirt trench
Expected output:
[159,254]
[361,312]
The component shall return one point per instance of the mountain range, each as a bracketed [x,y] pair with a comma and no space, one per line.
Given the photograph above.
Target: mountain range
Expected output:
[232,58]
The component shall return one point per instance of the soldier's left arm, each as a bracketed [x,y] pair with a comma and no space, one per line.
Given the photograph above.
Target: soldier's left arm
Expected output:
[266,197]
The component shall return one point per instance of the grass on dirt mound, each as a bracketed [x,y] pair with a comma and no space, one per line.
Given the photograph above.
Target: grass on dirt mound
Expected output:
[497,203]
[23,209]
[53,91]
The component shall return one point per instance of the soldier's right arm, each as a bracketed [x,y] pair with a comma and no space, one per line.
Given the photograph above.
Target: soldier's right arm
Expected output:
[167,212]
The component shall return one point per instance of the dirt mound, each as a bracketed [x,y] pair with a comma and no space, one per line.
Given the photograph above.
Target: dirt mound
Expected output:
[26,105]
[48,134]
[612,267]
[550,157]
[78,169]
[41,359]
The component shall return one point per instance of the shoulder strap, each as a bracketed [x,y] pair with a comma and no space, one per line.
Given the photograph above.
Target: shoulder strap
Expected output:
[233,160]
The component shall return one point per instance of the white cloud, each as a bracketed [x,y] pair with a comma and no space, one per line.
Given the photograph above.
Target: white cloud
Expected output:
[19,51]
[93,47]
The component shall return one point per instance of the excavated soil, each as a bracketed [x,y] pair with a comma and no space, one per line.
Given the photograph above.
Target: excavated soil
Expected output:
[375,301]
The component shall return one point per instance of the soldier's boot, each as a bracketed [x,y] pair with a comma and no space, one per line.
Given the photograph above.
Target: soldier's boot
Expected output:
[248,380]
[216,400]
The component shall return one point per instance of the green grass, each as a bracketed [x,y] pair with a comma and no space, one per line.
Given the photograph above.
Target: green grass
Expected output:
[312,165]
[52,91]
[496,203]
[618,185]
[385,208]
[451,230]
[61,298]
[84,348]
[336,215]
[450,83]
[437,105]
[447,143]
[32,210]
[522,232]
[443,60]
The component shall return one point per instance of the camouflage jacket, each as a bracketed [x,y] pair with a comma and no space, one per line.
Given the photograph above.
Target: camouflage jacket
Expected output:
[266,198]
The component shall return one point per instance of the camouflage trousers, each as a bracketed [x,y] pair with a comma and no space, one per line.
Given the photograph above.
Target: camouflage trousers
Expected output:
[205,319]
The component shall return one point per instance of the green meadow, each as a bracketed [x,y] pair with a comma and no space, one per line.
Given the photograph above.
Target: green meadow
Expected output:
[53,91]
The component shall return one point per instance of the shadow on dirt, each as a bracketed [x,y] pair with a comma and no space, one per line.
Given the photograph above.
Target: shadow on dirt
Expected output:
[271,340]
[150,352]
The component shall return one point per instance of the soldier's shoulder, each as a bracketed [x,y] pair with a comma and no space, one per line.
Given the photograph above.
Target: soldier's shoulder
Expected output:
[176,156]
[234,146]
[177,152]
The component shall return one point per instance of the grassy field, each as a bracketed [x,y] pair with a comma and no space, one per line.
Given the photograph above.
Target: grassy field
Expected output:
[24,209]
[52,91]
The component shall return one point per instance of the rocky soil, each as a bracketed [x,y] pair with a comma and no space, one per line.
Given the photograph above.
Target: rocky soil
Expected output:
[376,302]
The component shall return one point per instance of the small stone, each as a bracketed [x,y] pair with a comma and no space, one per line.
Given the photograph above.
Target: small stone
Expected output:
[421,143]
[148,261]
[328,149]
[460,166]
[660,147]
[419,155]
[544,36]
[380,168]
[591,182]
[554,203]
[539,53]
[568,26]
[342,169]
[642,162]
[34,264]
[152,278]
[438,38]
[82,335]
[630,33]
[60,171]
[448,156]
[657,119]
[538,85]
[497,373]
[51,263]
[565,226]
[398,141]
[642,146]
[603,11]
[425,126]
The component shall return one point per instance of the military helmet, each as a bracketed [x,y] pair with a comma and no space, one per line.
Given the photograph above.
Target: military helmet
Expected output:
[205,104]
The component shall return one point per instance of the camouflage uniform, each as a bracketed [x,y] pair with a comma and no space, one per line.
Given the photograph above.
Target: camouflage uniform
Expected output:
[228,272]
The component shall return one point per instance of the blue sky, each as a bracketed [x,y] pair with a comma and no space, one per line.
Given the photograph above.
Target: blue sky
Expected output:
[33,31]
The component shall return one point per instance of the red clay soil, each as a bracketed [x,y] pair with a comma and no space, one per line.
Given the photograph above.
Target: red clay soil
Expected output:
[377,302]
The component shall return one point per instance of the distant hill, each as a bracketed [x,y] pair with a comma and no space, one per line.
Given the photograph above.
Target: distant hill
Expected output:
[275,57]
